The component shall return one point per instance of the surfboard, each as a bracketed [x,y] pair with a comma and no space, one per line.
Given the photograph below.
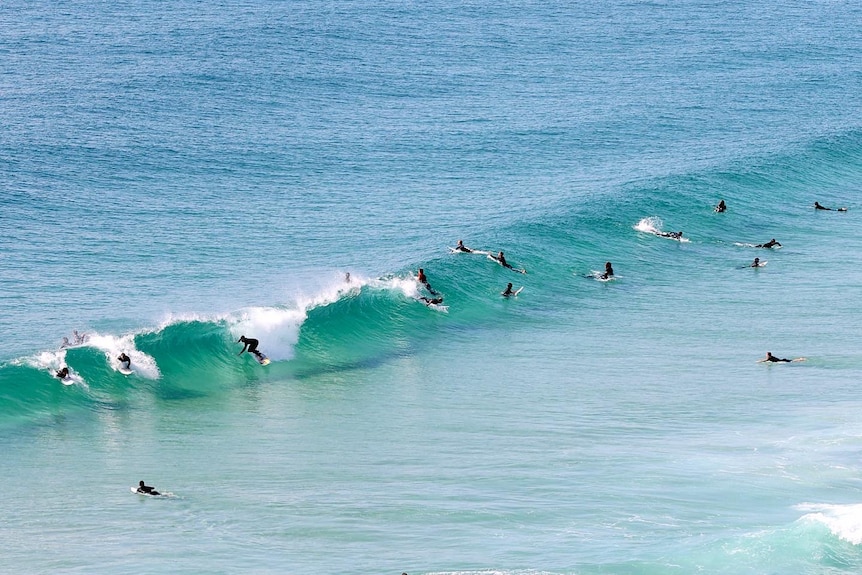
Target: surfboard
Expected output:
[67,380]
[262,359]
[125,370]
[759,265]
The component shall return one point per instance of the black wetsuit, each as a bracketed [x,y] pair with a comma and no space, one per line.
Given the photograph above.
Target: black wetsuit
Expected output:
[148,490]
[250,344]
[774,359]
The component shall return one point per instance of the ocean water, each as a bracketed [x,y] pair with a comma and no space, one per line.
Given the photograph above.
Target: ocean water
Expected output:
[174,175]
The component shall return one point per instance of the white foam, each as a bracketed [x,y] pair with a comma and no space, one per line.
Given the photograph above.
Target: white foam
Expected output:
[142,364]
[844,521]
[650,225]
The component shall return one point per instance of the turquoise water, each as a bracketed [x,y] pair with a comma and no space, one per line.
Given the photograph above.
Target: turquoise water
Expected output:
[175,176]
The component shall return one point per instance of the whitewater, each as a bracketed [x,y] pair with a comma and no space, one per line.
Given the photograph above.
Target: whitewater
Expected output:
[173,179]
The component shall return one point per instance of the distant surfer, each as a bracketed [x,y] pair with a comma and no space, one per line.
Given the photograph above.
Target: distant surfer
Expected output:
[609,271]
[508,291]
[125,360]
[250,344]
[671,235]
[817,206]
[462,248]
[347,278]
[79,337]
[721,207]
[771,358]
[66,343]
[756,263]
[146,489]
[421,278]
[431,301]
[770,244]
[62,373]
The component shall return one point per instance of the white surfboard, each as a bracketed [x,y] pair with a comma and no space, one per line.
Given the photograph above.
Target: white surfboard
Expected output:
[125,370]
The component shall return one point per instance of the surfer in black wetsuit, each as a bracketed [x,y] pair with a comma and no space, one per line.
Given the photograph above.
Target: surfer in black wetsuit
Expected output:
[817,206]
[431,301]
[672,235]
[609,271]
[770,244]
[721,207]
[756,263]
[771,358]
[250,344]
[509,291]
[420,277]
[63,373]
[462,248]
[124,360]
[147,489]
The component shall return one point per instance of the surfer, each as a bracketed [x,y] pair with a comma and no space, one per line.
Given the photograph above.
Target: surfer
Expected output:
[347,278]
[672,235]
[771,358]
[770,244]
[125,360]
[509,291]
[609,271]
[63,373]
[421,278]
[250,344]
[146,489]
[431,301]
[817,206]
[462,248]
[721,207]
[756,263]
[79,337]
[66,343]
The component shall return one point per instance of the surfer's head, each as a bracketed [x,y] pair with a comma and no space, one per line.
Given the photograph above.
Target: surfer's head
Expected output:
[241,338]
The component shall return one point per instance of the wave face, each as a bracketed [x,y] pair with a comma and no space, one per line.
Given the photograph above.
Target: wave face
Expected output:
[366,321]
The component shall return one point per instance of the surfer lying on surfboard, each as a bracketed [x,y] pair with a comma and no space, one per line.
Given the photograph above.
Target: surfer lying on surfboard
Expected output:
[501,259]
[817,206]
[772,359]
[770,244]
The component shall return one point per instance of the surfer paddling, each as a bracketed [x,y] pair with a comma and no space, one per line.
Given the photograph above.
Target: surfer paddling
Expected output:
[501,259]
[772,359]
[250,344]
[146,489]
[770,244]
[431,301]
[671,235]
[721,207]
[817,206]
